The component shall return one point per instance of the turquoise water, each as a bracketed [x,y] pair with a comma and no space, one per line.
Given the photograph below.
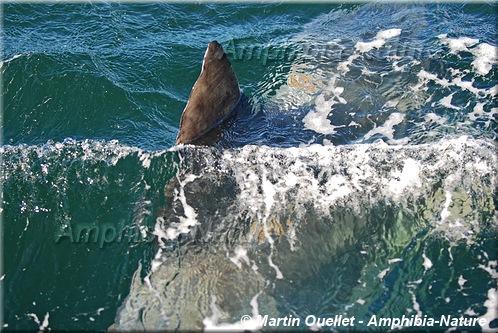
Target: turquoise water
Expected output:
[357,179]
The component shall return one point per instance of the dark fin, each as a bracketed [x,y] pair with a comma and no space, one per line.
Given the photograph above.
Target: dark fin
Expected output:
[215,93]
[221,135]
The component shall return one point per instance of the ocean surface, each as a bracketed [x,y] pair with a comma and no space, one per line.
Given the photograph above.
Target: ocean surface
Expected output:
[357,178]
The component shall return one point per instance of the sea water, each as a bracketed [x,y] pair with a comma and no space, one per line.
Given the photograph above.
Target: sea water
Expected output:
[355,189]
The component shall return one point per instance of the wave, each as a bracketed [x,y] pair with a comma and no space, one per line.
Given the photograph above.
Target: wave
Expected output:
[247,221]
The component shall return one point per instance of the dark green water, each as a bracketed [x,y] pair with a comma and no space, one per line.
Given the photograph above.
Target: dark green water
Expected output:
[358,179]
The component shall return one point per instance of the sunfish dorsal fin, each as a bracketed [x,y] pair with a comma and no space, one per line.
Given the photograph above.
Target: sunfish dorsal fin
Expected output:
[215,93]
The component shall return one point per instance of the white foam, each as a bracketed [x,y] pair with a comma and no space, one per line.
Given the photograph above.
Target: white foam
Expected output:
[398,68]
[491,268]
[190,218]
[478,111]
[471,312]
[360,301]
[425,76]
[485,54]
[445,212]
[409,174]
[316,120]
[387,130]
[42,326]
[343,66]
[269,192]
[321,118]
[27,224]
[394,260]
[407,178]
[278,272]
[187,221]
[363,47]
[427,262]
[379,41]
[456,81]
[387,34]
[35,317]
[159,231]
[461,281]
[491,304]
[145,159]
[446,101]
[435,118]
[212,324]
[240,254]
[383,273]
[458,44]
[485,58]
[416,305]
[9,60]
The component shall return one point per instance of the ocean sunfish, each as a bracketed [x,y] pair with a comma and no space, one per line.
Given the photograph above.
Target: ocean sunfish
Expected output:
[214,95]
